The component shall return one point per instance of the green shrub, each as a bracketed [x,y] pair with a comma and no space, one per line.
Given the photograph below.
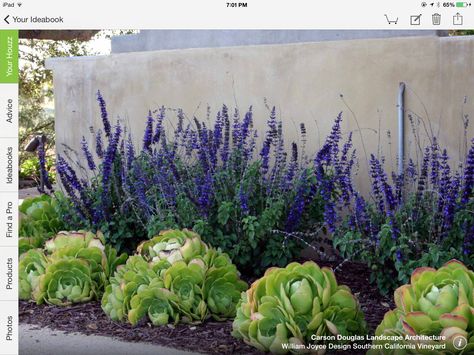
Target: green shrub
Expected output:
[29,168]
[240,189]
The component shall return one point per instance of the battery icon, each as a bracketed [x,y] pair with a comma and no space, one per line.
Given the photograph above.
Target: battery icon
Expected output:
[462,4]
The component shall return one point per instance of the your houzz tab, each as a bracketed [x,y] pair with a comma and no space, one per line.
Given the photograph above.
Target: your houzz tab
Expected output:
[8,56]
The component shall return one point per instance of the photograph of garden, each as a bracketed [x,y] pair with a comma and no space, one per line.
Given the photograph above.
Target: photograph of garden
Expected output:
[247,192]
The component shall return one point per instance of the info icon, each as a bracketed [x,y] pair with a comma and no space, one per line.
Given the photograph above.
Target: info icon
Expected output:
[459,342]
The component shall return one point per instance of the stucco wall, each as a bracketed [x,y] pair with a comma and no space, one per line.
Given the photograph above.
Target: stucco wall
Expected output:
[304,82]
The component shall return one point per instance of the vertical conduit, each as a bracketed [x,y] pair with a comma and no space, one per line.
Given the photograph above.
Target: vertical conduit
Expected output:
[401,128]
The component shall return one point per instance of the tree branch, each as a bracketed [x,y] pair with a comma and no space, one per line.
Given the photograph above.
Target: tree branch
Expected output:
[58,35]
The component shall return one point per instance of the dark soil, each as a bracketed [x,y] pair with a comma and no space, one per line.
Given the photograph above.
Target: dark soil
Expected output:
[26,183]
[210,337]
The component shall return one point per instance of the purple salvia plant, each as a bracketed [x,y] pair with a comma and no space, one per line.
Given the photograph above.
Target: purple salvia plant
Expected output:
[204,187]
[129,152]
[226,143]
[63,170]
[434,174]
[290,174]
[99,146]
[343,169]
[411,171]
[297,207]
[423,179]
[108,162]
[376,183]
[236,129]
[243,200]
[148,135]
[450,201]
[444,181]
[159,125]
[104,115]
[140,187]
[87,154]
[265,155]
[468,179]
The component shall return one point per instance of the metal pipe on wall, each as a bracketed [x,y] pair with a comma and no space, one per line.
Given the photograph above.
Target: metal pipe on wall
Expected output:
[401,128]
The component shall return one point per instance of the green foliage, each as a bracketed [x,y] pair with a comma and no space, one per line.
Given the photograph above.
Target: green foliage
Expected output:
[287,306]
[40,217]
[393,259]
[245,236]
[36,115]
[36,91]
[176,278]
[251,239]
[435,303]
[29,168]
[72,267]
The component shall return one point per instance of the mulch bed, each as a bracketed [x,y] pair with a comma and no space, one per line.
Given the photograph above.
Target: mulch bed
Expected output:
[210,337]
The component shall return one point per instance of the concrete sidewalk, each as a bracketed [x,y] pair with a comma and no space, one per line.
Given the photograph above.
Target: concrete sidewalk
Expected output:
[44,341]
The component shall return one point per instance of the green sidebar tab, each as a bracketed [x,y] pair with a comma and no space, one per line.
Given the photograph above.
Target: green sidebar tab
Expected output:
[8,56]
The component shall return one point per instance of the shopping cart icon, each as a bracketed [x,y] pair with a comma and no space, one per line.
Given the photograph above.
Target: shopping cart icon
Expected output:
[391,21]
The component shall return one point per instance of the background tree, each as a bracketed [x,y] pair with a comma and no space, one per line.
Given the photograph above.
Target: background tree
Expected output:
[36,109]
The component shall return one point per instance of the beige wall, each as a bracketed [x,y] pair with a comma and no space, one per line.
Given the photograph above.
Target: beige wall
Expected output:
[304,82]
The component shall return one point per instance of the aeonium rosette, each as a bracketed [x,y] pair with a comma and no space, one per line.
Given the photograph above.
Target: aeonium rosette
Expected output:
[125,284]
[66,281]
[222,286]
[287,306]
[176,278]
[31,266]
[434,314]
[173,245]
[72,267]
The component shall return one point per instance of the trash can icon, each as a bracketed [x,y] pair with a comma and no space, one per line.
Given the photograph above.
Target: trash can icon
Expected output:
[436,19]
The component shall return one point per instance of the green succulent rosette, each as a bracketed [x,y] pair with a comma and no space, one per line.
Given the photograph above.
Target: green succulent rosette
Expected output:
[28,243]
[222,287]
[156,284]
[113,261]
[32,265]
[156,302]
[124,285]
[434,313]
[80,250]
[173,245]
[39,216]
[185,282]
[74,241]
[289,305]
[66,281]
[82,245]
